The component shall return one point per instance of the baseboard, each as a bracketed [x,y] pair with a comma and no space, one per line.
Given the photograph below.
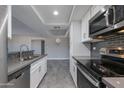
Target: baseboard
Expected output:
[57,58]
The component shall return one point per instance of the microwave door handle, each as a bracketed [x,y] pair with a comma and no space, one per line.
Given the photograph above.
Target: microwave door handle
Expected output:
[114,14]
[106,18]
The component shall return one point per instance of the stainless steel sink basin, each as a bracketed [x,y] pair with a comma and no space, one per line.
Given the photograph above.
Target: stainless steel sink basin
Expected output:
[28,58]
[34,57]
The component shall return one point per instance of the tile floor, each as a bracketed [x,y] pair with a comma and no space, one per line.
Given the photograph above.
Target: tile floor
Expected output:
[58,75]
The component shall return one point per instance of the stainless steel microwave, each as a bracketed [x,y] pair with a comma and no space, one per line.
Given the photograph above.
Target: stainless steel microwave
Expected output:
[108,18]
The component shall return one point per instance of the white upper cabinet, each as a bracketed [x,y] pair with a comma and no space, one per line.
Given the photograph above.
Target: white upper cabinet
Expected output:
[95,9]
[9,21]
[85,26]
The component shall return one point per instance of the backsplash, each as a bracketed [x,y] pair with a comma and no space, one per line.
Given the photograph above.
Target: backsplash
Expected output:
[115,41]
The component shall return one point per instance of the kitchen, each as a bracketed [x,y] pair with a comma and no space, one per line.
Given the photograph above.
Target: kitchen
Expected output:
[62,46]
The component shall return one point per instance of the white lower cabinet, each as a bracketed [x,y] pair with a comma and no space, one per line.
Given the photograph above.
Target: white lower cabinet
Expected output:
[34,78]
[73,70]
[37,71]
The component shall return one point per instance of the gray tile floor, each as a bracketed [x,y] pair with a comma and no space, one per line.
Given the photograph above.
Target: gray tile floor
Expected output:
[58,76]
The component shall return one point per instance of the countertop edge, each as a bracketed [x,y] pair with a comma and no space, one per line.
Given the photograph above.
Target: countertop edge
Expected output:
[40,57]
[107,83]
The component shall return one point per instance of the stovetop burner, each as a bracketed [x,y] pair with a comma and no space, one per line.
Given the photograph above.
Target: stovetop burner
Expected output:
[108,68]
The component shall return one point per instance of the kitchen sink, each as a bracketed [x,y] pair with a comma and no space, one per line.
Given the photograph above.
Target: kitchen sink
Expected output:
[29,58]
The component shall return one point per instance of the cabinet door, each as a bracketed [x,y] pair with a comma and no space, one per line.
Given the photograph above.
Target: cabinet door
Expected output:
[41,74]
[36,73]
[85,26]
[43,68]
[83,29]
[88,16]
[95,9]
[34,78]
[73,70]
[71,67]
[45,64]
[38,70]
[75,74]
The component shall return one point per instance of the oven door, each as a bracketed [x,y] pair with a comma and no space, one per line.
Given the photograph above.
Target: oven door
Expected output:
[118,13]
[85,80]
[98,24]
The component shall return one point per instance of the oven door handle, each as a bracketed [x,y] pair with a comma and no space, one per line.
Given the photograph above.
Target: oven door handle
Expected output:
[90,78]
[114,13]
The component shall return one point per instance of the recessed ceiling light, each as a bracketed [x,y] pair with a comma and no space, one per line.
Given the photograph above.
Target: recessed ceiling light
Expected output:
[55,13]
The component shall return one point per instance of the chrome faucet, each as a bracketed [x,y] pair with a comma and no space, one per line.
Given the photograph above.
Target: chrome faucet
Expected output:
[21,46]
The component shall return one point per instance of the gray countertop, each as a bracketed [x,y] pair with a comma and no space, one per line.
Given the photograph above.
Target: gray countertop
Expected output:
[15,66]
[114,82]
[85,58]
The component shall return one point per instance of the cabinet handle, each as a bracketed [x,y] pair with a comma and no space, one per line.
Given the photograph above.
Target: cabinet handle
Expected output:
[114,15]
[107,17]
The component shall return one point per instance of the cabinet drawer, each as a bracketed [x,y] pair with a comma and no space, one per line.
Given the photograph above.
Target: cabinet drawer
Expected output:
[35,64]
[34,69]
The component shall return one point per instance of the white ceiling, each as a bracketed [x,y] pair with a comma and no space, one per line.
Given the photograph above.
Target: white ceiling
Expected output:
[40,18]
[46,12]
[79,11]
[26,15]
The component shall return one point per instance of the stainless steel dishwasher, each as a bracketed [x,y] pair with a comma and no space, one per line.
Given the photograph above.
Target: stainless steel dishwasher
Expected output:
[20,79]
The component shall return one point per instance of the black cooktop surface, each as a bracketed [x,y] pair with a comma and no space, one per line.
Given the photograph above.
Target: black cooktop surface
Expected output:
[105,67]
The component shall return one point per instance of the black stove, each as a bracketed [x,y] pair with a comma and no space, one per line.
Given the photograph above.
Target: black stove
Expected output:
[109,65]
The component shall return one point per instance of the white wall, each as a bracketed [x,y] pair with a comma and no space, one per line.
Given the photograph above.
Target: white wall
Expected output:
[16,41]
[22,36]
[36,45]
[19,28]
[53,50]
[77,48]
[56,51]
